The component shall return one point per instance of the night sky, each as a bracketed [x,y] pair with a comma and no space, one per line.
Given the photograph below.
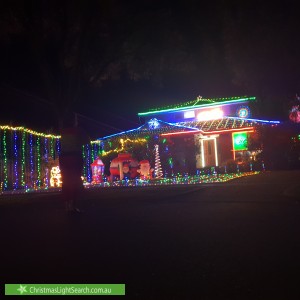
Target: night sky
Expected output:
[109,60]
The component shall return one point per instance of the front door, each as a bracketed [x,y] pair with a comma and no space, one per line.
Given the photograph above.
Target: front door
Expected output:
[209,152]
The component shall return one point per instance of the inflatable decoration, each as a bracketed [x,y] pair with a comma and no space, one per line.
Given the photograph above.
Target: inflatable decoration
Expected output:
[145,170]
[124,167]
[97,171]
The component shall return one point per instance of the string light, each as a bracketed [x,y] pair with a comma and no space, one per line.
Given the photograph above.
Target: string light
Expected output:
[88,171]
[179,180]
[28,150]
[31,158]
[38,157]
[23,161]
[84,159]
[124,144]
[20,128]
[194,104]
[5,167]
[46,161]
[52,148]
[157,169]
[92,152]
[16,183]
[58,146]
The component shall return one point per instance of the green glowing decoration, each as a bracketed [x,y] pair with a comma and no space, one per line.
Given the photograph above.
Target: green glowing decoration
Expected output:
[170,162]
[240,141]
[52,148]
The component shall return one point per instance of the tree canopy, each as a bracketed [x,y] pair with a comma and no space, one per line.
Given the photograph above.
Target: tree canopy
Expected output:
[126,57]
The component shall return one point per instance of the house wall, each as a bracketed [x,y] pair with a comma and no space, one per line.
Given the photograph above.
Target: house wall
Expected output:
[225,148]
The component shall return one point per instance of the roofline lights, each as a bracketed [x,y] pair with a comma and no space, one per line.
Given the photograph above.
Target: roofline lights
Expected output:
[196,106]
[248,129]
[119,133]
[256,120]
[21,128]
[193,129]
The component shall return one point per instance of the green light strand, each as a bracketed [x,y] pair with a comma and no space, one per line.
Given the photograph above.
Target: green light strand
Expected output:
[5,163]
[100,149]
[52,148]
[92,153]
[186,106]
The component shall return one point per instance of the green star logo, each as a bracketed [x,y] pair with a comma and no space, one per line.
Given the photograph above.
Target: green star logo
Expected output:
[22,289]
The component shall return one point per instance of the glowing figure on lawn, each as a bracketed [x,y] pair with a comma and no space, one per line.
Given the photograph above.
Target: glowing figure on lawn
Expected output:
[55,179]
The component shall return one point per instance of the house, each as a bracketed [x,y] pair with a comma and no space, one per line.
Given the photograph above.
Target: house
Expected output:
[203,132]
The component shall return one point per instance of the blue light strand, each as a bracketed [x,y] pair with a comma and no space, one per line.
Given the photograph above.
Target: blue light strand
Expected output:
[255,120]
[84,161]
[146,128]
[88,161]
[58,146]
[120,133]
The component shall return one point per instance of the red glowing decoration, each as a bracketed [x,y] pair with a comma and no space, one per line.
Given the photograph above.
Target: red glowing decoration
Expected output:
[145,170]
[295,114]
[97,171]
[122,165]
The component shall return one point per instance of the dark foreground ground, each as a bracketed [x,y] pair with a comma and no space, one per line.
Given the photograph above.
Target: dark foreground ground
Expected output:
[236,240]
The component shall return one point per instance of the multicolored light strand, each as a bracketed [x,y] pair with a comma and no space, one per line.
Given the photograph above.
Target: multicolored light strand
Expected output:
[24,155]
[23,161]
[16,182]
[5,167]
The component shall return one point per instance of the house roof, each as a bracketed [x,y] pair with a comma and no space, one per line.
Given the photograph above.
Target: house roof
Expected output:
[153,126]
[197,103]
[159,127]
[226,123]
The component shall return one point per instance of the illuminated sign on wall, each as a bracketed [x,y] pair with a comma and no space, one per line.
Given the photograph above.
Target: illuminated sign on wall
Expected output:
[189,114]
[240,141]
[211,114]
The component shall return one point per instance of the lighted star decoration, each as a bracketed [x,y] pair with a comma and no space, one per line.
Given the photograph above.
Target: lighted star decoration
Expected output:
[153,124]
[22,289]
